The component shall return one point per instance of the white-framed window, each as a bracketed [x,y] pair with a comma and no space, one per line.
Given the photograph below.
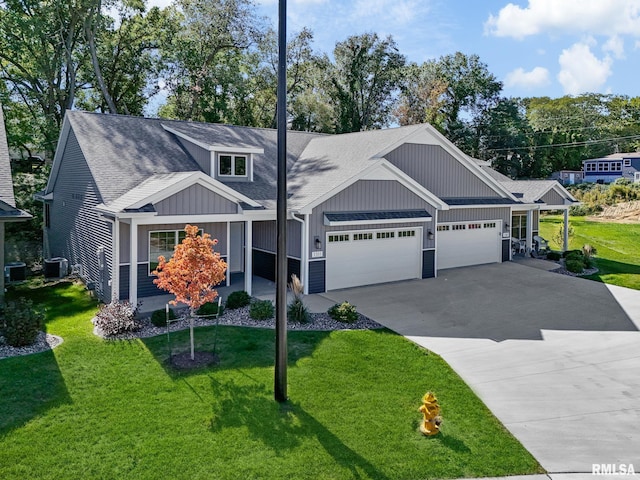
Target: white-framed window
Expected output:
[232,165]
[162,243]
[383,235]
[443,228]
[489,225]
[590,167]
[475,226]
[406,233]
[627,162]
[339,238]
[616,167]
[459,227]
[363,236]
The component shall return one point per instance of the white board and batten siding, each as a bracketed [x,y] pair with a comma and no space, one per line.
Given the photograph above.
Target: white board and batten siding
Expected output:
[462,244]
[366,257]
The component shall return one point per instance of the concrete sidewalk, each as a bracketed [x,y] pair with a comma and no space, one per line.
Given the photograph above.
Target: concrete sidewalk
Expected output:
[555,358]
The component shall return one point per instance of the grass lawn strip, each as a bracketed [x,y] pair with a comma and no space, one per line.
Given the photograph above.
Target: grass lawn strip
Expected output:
[618,246]
[114,409]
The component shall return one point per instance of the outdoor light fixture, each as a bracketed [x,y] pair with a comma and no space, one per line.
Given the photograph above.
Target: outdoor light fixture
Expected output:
[506,227]
[318,243]
[430,235]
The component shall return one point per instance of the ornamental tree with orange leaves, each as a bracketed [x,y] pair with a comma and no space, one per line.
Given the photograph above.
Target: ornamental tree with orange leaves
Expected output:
[192,273]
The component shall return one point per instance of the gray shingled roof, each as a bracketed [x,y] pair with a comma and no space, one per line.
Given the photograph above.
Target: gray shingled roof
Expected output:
[531,190]
[6,183]
[124,151]
[477,201]
[330,161]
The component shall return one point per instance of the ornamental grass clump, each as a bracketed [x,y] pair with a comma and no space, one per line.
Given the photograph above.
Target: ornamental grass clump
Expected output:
[297,310]
[116,317]
[21,323]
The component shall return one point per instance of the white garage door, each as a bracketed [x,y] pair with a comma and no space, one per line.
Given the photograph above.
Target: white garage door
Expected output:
[373,256]
[468,243]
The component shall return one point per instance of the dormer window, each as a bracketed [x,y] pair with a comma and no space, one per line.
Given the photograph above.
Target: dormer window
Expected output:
[232,165]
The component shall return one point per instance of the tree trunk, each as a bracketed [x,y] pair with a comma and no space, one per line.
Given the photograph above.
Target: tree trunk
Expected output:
[193,355]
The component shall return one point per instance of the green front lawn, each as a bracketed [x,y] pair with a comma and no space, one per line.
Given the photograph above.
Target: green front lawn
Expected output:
[113,409]
[618,246]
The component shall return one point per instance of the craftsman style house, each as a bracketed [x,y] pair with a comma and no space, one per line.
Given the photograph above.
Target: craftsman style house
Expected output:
[364,208]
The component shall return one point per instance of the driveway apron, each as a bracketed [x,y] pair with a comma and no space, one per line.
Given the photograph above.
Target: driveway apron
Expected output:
[555,358]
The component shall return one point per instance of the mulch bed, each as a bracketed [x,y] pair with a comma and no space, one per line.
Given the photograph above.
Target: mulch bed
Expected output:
[182,361]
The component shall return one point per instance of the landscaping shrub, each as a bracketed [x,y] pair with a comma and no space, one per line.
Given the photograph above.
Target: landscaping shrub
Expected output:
[574,265]
[343,312]
[554,256]
[116,317]
[237,299]
[159,317]
[21,323]
[209,309]
[575,255]
[261,309]
[566,253]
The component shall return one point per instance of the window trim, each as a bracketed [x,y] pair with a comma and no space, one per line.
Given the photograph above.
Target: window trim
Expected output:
[176,233]
[247,162]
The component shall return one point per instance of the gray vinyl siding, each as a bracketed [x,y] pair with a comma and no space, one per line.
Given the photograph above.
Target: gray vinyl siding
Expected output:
[216,230]
[76,232]
[195,200]
[199,154]
[439,172]
[265,237]
[471,214]
[553,198]
[370,195]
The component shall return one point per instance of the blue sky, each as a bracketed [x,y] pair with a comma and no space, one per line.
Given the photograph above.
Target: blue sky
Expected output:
[535,47]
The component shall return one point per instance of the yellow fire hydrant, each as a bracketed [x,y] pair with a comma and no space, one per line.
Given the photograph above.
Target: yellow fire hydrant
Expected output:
[430,409]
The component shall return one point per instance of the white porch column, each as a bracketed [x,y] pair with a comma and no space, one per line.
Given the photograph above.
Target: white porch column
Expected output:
[115,261]
[304,255]
[529,230]
[248,256]
[133,263]
[228,253]
[565,247]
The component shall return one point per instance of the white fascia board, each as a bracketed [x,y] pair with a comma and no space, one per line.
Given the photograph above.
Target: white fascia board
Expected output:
[191,219]
[455,152]
[378,222]
[523,206]
[57,158]
[382,167]
[199,178]
[213,147]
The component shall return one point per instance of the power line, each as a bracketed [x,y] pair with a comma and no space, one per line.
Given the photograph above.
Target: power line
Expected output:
[566,145]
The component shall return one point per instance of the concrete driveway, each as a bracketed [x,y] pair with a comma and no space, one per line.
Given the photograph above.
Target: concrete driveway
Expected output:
[555,358]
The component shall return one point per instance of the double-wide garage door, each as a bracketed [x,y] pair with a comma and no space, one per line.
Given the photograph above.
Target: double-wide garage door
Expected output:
[468,243]
[372,256]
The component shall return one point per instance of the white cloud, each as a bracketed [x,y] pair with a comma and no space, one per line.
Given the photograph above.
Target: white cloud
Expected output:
[615,46]
[581,71]
[566,16]
[538,77]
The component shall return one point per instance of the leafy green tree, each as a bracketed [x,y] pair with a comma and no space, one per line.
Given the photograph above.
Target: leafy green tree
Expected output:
[364,79]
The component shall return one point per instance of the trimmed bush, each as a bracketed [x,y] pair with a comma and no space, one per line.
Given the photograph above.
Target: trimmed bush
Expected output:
[298,312]
[554,256]
[237,299]
[566,253]
[575,255]
[209,309]
[343,312]
[159,317]
[574,265]
[21,323]
[116,317]
[261,309]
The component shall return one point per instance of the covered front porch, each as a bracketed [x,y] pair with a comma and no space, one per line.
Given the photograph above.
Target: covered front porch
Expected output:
[525,237]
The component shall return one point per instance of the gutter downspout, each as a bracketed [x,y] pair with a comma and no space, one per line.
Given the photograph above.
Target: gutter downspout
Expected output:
[304,251]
